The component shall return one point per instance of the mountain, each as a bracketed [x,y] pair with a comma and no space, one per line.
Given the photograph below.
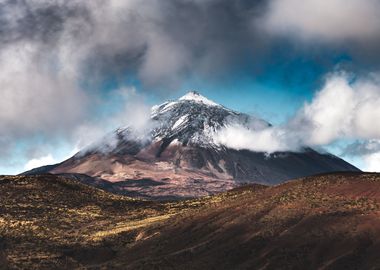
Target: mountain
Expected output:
[329,221]
[175,155]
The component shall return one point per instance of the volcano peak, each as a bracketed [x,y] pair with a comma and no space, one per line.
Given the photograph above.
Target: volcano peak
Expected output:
[197,97]
[177,155]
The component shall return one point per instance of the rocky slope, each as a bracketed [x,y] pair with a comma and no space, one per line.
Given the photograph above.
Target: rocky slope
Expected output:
[176,155]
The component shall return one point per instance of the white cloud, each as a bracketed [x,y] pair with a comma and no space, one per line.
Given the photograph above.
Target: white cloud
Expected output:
[49,159]
[372,162]
[265,140]
[332,20]
[38,162]
[133,113]
[35,98]
[50,49]
[344,108]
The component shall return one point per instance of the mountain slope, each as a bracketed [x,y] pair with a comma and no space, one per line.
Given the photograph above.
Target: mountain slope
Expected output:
[55,222]
[176,154]
[321,222]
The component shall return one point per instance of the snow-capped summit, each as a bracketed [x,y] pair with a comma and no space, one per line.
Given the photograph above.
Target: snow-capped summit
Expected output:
[191,97]
[193,119]
[196,97]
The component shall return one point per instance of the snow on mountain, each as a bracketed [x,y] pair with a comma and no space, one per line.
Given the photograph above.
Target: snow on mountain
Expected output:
[180,121]
[194,119]
[196,97]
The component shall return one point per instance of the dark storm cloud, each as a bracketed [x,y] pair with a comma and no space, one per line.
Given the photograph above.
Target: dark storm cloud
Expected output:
[23,20]
[160,42]
[48,49]
[163,42]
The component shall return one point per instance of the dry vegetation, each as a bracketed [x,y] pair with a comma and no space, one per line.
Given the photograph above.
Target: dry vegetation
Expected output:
[326,222]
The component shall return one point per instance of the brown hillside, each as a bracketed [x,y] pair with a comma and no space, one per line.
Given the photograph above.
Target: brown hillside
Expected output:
[322,222]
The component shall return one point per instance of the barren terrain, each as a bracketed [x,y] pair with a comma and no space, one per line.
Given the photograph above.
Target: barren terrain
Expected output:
[328,221]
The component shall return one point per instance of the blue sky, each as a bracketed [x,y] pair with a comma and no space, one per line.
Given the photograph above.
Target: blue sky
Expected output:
[70,71]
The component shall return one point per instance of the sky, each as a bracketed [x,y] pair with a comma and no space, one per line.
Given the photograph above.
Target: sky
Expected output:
[73,70]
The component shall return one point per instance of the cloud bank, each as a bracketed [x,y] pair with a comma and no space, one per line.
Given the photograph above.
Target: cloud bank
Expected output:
[345,108]
[56,56]
[372,162]
[133,119]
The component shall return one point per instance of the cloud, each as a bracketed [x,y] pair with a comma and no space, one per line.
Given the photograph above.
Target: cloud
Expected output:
[56,56]
[135,113]
[33,97]
[48,159]
[162,42]
[38,162]
[368,150]
[360,148]
[267,140]
[343,31]
[49,50]
[346,107]
[133,116]
[372,162]
[331,21]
